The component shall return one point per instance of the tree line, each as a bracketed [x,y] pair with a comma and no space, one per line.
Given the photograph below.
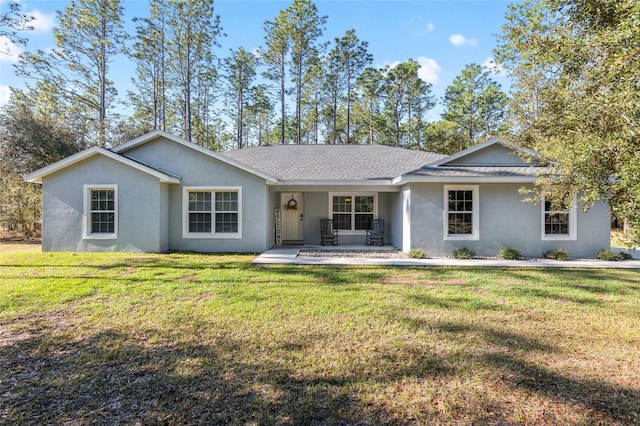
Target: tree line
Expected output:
[297,88]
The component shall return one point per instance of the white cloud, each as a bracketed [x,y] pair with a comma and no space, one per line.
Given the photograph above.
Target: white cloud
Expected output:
[420,27]
[493,67]
[41,22]
[9,51]
[457,39]
[429,69]
[460,40]
[5,94]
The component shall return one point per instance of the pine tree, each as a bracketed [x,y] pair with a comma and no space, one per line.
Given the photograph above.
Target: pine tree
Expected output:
[90,35]
[404,93]
[304,28]
[476,104]
[240,69]
[353,58]
[274,57]
[369,88]
[151,101]
[192,31]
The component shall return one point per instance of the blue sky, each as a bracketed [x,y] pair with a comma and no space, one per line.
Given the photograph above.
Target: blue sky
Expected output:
[443,36]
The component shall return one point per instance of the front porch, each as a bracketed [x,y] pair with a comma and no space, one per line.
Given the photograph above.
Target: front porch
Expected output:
[300,212]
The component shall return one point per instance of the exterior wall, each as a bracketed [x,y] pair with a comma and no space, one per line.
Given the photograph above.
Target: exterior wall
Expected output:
[495,154]
[504,221]
[139,208]
[164,217]
[270,230]
[396,219]
[316,207]
[196,169]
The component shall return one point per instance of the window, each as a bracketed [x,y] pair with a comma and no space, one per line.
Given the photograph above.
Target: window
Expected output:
[352,212]
[558,221]
[212,212]
[100,211]
[461,212]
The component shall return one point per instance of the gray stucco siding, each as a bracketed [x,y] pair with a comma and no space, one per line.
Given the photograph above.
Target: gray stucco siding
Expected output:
[199,170]
[139,206]
[505,220]
[495,154]
[396,224]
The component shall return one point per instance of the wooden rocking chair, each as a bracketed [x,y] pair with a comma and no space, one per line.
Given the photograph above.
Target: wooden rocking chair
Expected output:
[327,233]
[375,235]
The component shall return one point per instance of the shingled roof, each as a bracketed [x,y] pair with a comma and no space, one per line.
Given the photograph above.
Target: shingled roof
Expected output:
[318,163]
[478,171]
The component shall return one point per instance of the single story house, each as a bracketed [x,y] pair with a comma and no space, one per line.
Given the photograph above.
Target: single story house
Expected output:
[159,193]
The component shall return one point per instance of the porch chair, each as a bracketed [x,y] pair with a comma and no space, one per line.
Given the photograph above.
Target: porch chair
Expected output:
[375,235]
[327,233]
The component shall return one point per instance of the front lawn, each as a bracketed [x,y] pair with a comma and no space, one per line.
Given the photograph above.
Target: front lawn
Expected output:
[188,338]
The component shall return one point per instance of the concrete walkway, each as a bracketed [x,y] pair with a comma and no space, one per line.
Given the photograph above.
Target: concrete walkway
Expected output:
[289,256]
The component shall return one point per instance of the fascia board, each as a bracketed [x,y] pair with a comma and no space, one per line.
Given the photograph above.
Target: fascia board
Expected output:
[382,182]
[464,179]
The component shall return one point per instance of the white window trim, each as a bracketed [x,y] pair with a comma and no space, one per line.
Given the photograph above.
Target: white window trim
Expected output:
[354,194]
[573,224]
[475,216]
[86,216]
[212,235]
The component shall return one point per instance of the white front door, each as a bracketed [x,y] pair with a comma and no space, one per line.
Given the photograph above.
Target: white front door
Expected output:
[292,207]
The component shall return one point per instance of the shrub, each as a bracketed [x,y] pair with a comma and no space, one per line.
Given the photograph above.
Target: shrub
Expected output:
[463,253]
[612,256]
[557,254]
[509,253]
[416,253]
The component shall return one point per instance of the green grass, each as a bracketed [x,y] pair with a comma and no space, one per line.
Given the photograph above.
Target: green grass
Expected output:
[190,338]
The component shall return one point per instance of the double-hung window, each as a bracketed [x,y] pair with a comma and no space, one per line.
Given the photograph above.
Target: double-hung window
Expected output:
[558,221]
[101,211]
[461,212]
[212,212]
[352,212]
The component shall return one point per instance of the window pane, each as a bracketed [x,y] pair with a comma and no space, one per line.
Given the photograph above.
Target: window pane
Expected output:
[102,223]
[102,200]
[460,223]
[342,204]
[226,201]
[460,201]
[226,222]
[200,222]
[556,223]
[199,201]
[342,221]
[363,221]
[364,204]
